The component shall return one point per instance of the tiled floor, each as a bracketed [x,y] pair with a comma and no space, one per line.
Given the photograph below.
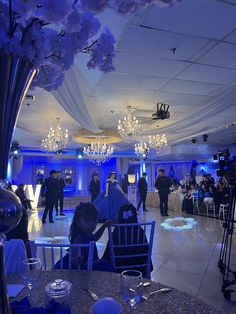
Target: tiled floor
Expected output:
[185,259]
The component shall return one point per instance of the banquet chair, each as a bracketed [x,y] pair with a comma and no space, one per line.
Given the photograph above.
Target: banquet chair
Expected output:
[211,208]
[195,204]
[49,253]
[223,210]
[15,254]
[129,239]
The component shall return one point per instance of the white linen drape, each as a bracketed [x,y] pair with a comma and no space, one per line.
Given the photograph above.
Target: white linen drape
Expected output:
[70,97]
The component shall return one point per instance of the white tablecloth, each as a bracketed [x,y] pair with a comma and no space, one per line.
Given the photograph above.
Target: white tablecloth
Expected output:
[174,203]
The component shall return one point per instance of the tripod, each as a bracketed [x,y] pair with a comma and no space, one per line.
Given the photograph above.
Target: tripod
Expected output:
[229,276]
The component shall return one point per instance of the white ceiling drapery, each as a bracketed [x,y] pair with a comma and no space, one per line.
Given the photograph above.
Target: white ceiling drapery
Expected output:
[69,96]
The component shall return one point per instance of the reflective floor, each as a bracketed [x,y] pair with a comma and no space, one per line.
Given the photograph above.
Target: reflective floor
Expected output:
[183,257]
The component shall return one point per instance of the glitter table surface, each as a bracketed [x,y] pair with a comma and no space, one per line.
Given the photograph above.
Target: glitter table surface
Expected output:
[108,285]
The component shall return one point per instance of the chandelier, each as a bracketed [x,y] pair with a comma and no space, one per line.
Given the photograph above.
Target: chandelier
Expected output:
[130,126]
[157,141]
[98,153]
[56,139]
[141,149]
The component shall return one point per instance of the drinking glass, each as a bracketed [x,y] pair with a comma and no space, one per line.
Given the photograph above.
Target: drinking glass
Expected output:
[30,275]
[131,287]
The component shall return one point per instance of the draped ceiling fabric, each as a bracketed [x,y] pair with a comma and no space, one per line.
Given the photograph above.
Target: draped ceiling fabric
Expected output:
[213,112]
[70,97]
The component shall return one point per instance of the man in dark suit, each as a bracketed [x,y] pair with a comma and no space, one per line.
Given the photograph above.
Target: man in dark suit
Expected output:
[60,193]
[163,185]
[94,187]
[49,190]
[142,189]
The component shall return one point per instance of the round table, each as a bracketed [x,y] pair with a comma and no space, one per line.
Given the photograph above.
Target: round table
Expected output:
[175,201]
[107,284]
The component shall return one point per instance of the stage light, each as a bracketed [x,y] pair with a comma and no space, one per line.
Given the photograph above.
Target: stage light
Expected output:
[79,153]
[80,156]
[194,140]
[204,137]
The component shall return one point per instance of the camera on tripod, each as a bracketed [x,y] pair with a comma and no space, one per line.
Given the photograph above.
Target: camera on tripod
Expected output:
[227,165]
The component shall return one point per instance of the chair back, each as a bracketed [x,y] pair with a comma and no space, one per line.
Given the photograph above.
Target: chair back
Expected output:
[50,253]
[130,238]
[15,254]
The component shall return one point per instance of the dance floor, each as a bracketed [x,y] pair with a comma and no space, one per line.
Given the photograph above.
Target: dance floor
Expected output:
[183,258]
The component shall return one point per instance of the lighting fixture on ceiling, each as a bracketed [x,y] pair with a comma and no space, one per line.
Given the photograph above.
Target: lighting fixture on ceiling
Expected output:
[162,112]
[194,140]
[15,148]
[98,153]
[129,126]
[56,139]
[141,149]
[157,141]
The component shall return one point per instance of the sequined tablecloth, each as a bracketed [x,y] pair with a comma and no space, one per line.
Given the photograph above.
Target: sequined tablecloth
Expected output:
[108,284]
[174,202]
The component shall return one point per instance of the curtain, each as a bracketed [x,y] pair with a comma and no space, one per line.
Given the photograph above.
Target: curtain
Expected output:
[122,165]
[70,97]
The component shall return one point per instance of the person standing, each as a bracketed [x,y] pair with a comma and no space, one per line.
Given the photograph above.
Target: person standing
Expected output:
[49,190]
[142,189]
[94,187]
[163,185]
[60,193]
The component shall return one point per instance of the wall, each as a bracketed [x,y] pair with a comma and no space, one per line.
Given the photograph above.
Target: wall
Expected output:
[25,173]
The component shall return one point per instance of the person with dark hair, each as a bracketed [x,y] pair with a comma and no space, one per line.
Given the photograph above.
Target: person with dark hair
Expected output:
[94,187]
[60,193]
[21,229]
[127,215]
[21,194]
[142,189]
[9,187]
[50,191]
[163,185]
[81,232]
[109,201]
[187,205]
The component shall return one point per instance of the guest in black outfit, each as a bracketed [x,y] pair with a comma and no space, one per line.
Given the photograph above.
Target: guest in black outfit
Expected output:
[21,229]
[94,187]
[142,189]
[21,194]
[163,185]
[60,193]
[49,190]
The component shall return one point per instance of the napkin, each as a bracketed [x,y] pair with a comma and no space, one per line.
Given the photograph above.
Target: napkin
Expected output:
[23,307]
[13,290]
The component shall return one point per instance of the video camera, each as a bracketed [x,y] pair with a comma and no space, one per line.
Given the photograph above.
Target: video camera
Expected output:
[227,166]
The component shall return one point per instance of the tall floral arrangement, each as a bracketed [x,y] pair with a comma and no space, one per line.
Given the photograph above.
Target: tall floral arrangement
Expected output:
[49,33]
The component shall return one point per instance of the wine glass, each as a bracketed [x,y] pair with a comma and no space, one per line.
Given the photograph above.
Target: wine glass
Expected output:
[30,274]
[131,287]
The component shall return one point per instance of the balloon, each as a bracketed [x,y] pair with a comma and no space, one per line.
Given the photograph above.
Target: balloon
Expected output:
[10,210]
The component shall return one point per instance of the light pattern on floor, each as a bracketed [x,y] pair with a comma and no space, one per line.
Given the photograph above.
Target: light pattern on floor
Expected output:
[178,223]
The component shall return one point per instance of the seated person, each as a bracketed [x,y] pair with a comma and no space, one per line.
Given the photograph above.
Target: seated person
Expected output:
[81,232]
[210,196]
[187,205]
[21,232]
[128,214]
[222,194]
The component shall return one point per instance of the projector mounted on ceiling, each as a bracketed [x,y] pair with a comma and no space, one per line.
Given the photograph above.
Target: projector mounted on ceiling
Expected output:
[162,112]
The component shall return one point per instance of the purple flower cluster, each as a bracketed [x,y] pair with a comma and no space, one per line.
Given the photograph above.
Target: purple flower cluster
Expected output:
[49,33]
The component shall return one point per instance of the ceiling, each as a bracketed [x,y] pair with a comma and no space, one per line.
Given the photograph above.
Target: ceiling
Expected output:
[198,81]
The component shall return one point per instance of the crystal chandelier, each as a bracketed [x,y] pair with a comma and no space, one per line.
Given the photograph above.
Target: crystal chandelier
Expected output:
[56,139]
[141,149]
[98,152]
[157,141]
[130,126]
